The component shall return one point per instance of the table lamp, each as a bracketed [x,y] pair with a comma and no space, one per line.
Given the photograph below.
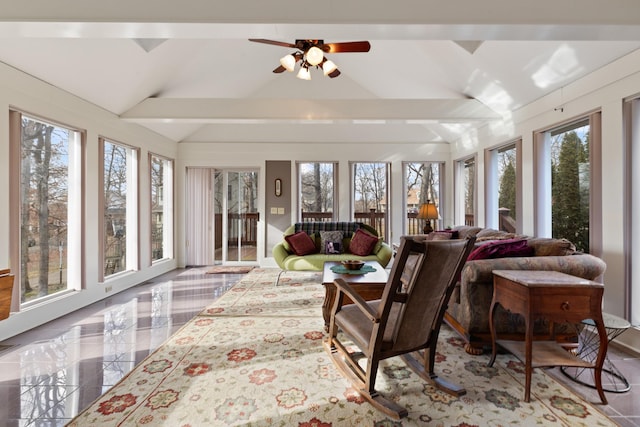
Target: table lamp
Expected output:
[428,211]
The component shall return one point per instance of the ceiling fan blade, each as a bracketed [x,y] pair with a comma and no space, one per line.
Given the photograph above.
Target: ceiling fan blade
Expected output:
[362,46]
[335,73]
[274,42]
[280,69]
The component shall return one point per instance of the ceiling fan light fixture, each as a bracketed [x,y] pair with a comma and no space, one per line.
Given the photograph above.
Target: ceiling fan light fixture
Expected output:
[304,73]
[328,67]
[288,62]
[314,56]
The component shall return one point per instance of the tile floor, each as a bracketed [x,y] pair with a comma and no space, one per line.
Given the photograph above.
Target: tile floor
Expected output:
[51,373]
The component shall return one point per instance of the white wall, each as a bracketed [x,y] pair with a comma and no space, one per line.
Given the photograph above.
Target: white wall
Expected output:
[602,90]
[30,95]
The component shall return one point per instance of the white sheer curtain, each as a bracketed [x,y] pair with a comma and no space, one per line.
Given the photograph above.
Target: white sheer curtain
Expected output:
[199,217]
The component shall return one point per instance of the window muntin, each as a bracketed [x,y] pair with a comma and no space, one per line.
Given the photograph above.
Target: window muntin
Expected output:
[422,184]
[370,183]
[317,191]
[161,181]
[120,208]
[50,203]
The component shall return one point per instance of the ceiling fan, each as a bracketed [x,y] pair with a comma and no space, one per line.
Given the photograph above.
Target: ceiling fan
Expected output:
[310,53]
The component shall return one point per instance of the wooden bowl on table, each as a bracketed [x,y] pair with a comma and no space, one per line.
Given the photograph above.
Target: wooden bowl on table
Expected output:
[353,264]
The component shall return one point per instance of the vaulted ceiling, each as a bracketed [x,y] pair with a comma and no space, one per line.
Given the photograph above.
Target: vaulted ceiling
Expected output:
[436,69]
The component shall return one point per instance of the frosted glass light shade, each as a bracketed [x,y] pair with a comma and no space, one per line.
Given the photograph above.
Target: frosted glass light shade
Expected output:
[304,74]
[314,56]
[288,62]
[328,67]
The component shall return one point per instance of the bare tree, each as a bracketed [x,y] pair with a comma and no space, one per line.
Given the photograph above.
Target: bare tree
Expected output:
[44,190]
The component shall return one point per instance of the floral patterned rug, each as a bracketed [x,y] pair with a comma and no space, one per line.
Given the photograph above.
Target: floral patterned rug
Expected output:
[255,358]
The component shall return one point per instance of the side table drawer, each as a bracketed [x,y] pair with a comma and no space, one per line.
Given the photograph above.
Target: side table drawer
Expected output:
[559,304]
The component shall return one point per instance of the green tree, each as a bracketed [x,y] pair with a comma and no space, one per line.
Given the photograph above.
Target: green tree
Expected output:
[570,192]
[507,190]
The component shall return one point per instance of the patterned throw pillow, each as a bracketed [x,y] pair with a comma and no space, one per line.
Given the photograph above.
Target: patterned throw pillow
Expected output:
[332,240]
[362,243]
[301,243]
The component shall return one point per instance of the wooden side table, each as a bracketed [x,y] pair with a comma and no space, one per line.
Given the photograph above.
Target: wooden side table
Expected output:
[557,297]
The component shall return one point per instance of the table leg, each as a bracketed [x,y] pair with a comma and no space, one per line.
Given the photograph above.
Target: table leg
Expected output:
[492,329]
[528,345]
[602,352]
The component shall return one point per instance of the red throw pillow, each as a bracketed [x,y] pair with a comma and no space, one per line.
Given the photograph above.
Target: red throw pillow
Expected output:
[502,249]
[362,243]
[301,243]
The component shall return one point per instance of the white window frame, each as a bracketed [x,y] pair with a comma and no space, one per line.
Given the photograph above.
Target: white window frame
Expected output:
[132,220]
[542,179]
[492,184]
[167,196]
[75,208]
[335,206]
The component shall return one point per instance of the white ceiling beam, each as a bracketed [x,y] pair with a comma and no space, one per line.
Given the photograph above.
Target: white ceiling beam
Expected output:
[238,110]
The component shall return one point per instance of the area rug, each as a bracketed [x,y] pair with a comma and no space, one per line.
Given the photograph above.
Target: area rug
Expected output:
[232,269]
[255,358]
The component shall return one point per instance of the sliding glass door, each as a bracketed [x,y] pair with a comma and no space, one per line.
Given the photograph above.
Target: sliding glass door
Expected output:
[236,216]
[221,216]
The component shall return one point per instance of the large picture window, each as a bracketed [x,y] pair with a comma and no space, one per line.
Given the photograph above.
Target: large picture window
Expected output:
[566,177]
[50,204]
[120,207]
[370,195]
[465,191]
[317,184]
[161,179]
[503,182]
[422,185]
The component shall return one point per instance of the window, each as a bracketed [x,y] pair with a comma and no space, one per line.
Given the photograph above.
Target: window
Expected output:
[317,199]
[49,170]
[465,202]
[422,185]
[632,210]
[566,174]
[370,182]
[120,208]
[161,179]
[503,183]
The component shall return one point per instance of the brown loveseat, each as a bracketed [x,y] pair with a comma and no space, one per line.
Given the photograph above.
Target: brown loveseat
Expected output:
[468,311]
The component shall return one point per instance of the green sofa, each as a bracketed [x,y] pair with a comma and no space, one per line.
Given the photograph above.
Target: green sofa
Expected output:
[287,260]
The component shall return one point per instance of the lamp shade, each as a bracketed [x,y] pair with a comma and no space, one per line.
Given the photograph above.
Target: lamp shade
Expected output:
[314,56]
[288,62]
[328,67]
[304,74]
[428,211]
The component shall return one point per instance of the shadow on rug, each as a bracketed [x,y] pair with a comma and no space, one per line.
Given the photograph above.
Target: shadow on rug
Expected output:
[255,358]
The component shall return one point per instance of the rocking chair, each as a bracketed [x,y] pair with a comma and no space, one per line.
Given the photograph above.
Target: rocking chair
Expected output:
[404,321]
